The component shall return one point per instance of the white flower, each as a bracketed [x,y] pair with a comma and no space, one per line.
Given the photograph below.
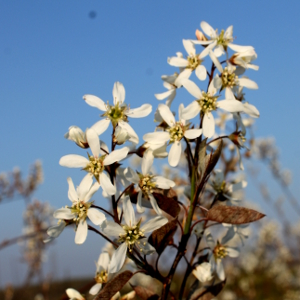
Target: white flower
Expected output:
[237,233]
[191,63]
[147,182]
[175,132]
[224,190]
[78,136]
[203,272]
[219,251]
[229,80]
[218,41]
[101,273]
[130,235]
[96,163]
[81,207]
[205,103]
[118,113]
[74,295]
[244,59]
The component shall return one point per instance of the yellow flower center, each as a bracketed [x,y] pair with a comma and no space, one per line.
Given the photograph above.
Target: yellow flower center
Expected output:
[80,209]
[228,79]
[95,166]
[208,103]
[101,277]
[145,184]
[194,62]
[220,252]
[131,236]
[116,113]
[177,132]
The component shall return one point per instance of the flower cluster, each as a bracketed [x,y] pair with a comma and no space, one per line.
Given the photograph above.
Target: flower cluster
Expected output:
[186,144]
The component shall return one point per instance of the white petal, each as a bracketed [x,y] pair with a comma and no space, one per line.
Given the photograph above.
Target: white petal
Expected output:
[215,84]
[200,72]
[111,228]
[245,82]
[84,186]
[106,184]
[118,259]
[95,187]
[229,94]
[101,126]
[189,47]
[93,141]
[64,214]
[192,88]
[216,61]
[164,95]
[192,133]
[81,232]
[132,176]
[166,114]
[115,156]
[185,74]
[140,112]
[239,48]
[73,161]
[72,194]
[56,230]
[231,105]
[154,204]
[95,289]
[251,110]
[95,102]
[103,261]
[73,294]
[144,247]
[177,62]
[163,183]
[208,30]
[174,154]
[118,93]
[191,111]
[154,224]
[208,49]
[208,125]
[129,215]
[232,252]
[96,216]
[133,136]
[147,161]
[220,270]
[139,207]
[157,137]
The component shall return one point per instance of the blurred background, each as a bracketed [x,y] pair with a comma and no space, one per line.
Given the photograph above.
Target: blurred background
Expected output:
[52,53]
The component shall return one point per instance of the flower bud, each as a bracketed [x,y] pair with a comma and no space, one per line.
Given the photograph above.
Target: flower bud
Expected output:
[120,135]
[78,136]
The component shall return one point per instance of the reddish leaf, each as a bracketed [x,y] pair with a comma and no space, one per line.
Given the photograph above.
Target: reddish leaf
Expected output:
[233,214]
[207,292]
[144,293]
[167,201]
[114,286]
[161,237]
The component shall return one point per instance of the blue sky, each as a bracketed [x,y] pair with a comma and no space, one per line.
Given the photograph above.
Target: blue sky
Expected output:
[52,53]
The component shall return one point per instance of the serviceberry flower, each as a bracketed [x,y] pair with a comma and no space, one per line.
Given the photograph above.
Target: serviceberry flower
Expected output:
[174,133]
[192,63]
[118,113]
[81,207]
[147,183]
[101,273]
[74,295]
[220,41]
[130,235]
[55,231]
[206,103]
[95,163]
[220,250]
[203,272]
